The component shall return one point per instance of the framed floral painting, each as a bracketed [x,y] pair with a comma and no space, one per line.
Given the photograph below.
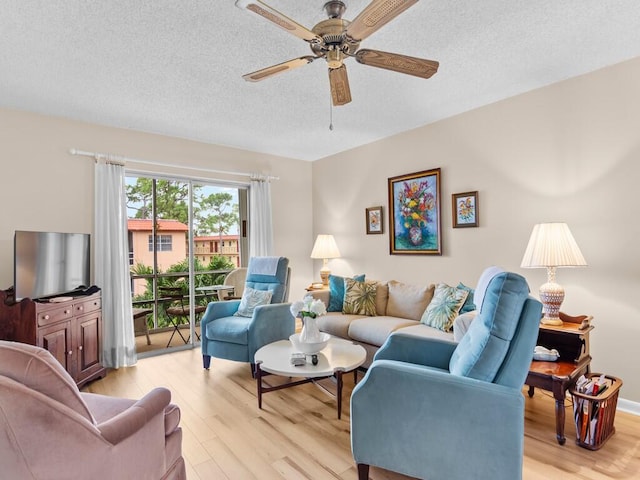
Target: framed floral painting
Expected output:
[374,220]
[465,209]
[414,214]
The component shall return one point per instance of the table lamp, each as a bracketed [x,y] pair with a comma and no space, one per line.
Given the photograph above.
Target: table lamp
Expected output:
[551,245]
[325,248]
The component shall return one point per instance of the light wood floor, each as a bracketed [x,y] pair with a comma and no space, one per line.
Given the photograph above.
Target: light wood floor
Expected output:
[298,436]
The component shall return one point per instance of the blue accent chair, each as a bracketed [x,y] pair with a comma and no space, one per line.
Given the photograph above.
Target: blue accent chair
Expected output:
[225,335]
[439,410]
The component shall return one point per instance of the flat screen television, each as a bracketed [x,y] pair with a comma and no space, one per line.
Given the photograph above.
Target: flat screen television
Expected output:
[47,264]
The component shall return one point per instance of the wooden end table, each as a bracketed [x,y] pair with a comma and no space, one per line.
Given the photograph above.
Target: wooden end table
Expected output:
[572,343]
[338,357]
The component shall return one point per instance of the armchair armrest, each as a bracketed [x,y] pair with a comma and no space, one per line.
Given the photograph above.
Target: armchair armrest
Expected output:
[270,323]
[135,417]
[431,352]
[217,310]
[441,425]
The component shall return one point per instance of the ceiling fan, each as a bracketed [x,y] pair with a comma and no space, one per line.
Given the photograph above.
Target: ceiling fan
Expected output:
[337,39]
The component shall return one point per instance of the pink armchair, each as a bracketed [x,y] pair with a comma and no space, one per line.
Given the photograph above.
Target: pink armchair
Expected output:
[50,430]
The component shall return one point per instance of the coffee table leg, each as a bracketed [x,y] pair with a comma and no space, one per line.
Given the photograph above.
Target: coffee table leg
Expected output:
[339,382]
[259,380]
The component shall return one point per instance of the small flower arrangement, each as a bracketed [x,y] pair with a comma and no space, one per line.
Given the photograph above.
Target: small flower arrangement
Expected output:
[308,307]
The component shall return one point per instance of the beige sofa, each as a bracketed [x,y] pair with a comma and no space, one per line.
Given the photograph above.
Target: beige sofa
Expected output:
[399,307]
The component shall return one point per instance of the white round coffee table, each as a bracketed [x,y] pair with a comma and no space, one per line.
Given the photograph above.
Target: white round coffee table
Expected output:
[338,357]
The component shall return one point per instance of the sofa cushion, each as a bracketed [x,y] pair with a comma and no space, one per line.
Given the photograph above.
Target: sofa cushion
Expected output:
[482,350]
[382,296]
[359,297]
[251,299]
[336,291]
[461,324]
[336,324]
[444,307]
[423,331]
[408,301]
[375,330]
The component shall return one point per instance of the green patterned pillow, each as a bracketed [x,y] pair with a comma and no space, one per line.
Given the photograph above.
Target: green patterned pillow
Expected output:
[444,307]
[360,297]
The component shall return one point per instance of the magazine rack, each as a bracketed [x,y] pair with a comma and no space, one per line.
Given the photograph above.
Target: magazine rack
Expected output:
[594,414]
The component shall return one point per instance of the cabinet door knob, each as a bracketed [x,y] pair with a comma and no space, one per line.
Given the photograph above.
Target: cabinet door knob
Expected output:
[81,308]
[80,348]
[70,352]
[46,317]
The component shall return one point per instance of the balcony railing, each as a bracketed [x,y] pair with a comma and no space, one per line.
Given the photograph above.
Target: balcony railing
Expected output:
[150,300]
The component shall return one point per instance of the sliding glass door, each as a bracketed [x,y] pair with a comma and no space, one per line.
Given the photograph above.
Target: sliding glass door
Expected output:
[184,237]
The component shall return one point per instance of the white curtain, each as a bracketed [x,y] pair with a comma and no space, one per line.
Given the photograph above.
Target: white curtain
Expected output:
[112,266]
[260,228]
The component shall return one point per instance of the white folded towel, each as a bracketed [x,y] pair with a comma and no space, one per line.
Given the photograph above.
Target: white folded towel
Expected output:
[263,265]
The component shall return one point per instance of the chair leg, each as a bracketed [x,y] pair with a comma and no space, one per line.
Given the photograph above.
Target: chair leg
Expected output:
[176,328]
[363,471]
[206,361]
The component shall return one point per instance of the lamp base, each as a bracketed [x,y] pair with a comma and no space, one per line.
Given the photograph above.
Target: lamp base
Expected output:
[324,276]
[551,321]
[551,296]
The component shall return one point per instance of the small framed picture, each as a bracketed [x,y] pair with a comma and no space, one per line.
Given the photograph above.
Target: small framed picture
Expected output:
[374,220]
[465,209]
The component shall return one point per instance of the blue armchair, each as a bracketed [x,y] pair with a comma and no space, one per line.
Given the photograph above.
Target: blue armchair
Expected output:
[440,410]
[233,337]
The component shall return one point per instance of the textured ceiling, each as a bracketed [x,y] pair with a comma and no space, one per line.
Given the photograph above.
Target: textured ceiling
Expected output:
[175,67]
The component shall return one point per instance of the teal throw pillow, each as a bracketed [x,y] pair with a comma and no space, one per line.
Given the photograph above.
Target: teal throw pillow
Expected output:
[251,299]
[444,307]
[336,291]
[468,305]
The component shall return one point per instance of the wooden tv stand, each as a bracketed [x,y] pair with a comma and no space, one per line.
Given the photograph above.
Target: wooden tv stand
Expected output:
[71,330]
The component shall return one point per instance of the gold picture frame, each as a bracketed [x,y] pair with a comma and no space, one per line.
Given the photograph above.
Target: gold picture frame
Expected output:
[414,214]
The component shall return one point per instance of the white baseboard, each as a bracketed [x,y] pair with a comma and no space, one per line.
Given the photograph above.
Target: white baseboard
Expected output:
[628,406]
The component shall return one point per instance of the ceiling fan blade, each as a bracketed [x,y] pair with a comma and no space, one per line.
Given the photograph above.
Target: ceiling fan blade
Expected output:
[375,15]
[340,92]
[418,67]
[282,21]
[276,69]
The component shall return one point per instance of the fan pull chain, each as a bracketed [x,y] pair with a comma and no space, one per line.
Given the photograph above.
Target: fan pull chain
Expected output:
[330,112]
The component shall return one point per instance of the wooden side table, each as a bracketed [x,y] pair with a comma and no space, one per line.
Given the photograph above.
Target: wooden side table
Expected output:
[572,343]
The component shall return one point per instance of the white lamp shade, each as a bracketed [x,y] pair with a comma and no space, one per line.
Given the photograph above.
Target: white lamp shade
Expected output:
[552,245]
[325,247]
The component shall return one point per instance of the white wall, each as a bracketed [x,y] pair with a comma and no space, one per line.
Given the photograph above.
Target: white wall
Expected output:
[569,152]
[43,187]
